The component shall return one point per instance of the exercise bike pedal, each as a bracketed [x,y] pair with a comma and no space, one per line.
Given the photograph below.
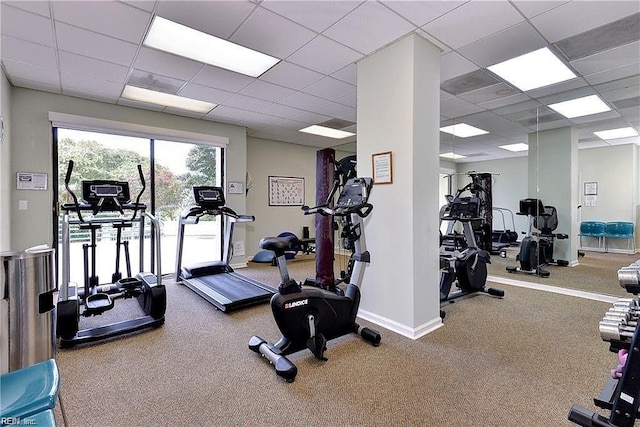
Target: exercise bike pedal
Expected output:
[97,304]
[318,345]
[495,292]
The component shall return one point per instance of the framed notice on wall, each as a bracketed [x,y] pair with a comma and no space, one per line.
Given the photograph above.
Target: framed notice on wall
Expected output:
[382,168]
[286,191]
[590,188]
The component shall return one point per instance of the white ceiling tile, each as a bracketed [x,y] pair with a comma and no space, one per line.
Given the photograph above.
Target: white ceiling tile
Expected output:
[204,93]
[218,18]
[101,17]
[567,95]
[36,85]
[222,79]
[324,55]
[557,88]
[247,103]
[533,8]
[369,27]
[592,144]
[27,26]
[620,93]
[487,18]
[80,83]
[34,73]
[169,65]
[310,118]
[229,113]
[579,16]
[453,64]
[147,5]
[37,7]
[455,107]
[30,53]
[422,12]
[627,82]
[339,111]
[488,93]
[348,74]
[303,101]
[596,117]
[274,35]
[350,99]
[628,54]
[507,100]
[290,75]
[90,67]
[329,88]
[437,43]
[623,141]
[184,113]
[613,74]
[316,15]
[283,111]
[81,93]
[507,44]
[94,45]
[266,91]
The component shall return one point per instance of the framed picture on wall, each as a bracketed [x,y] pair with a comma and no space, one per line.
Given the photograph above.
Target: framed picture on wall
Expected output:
[382,168]
[590,188]
[286,191]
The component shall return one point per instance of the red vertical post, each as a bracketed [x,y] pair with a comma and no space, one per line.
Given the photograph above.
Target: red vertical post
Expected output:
[325,160]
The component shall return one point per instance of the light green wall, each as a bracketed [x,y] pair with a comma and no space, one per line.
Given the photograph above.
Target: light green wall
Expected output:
[32,152]
[5,157]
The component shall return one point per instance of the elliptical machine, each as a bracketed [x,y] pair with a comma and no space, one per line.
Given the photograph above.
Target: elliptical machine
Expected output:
[461,261]
[309,316]
[536,249]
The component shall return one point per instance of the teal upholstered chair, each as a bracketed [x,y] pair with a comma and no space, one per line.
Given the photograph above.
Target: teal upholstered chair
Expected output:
[622,230]
[596,229]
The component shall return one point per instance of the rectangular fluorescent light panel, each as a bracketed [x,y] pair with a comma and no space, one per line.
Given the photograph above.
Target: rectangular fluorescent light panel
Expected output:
[151,96]
[463,130]
[579,107]
[453,156]
[515,147]
[616,133]
[533,70]
[180,40]
[328,132]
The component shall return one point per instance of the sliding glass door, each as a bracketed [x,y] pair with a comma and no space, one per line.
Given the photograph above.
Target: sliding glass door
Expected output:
[170,170]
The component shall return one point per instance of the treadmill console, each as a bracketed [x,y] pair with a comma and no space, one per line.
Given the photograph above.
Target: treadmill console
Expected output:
[355,193]
[208,196]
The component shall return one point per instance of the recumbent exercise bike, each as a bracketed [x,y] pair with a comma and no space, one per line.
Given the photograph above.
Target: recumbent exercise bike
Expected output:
[536,249]
[309,316]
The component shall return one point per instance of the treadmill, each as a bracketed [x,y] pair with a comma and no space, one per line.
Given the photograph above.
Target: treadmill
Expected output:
[216,281]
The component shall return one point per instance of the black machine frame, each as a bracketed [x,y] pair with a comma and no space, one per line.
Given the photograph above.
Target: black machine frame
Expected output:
[146,287]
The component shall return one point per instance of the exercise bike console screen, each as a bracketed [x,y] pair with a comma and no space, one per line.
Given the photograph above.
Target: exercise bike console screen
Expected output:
[354,193]
[208,197]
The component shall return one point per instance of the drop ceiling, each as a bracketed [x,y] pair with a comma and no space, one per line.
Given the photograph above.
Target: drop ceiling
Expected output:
[91,49]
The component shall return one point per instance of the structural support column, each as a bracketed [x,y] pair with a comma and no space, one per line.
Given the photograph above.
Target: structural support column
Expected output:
[399,112]
[553,178]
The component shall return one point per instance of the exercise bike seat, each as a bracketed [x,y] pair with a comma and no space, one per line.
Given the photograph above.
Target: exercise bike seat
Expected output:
[279,245]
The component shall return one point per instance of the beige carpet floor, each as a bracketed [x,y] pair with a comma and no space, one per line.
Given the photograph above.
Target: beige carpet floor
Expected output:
[518,361]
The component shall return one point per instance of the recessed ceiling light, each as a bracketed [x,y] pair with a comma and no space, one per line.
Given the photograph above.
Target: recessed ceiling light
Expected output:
[579,107]
[184,41]
[453,156]
[145,95]
[616,133]
[463,130]
[328,132]
[533,70]
[515,147]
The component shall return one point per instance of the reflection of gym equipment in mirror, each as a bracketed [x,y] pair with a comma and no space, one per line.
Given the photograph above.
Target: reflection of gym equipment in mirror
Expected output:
[536,249]
[461,260]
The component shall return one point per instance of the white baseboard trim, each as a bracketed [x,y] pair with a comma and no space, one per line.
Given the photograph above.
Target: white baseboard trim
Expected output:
[555,289]
[399,328]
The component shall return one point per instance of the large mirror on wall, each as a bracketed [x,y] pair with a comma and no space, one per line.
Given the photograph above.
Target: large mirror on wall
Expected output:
[535,203]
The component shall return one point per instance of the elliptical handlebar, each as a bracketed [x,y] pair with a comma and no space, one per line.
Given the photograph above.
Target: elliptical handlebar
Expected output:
[67,179]
[362,210]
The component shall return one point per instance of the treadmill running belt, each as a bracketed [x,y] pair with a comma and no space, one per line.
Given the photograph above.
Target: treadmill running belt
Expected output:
[229,291]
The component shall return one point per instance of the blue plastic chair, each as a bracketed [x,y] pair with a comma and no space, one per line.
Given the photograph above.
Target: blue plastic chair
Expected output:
[595,229]
[622,230]
[29,391]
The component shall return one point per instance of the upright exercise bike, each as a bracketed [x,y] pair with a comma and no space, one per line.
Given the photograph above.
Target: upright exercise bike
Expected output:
[309,316]
[536,249]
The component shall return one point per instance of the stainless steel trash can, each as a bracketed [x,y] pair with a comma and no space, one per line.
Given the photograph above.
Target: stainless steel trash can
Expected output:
[28,283]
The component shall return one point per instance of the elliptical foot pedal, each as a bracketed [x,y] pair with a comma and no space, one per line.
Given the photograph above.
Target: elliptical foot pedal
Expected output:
[97,304]
[318,345]
[495,292]
[129,283]
[512,269]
